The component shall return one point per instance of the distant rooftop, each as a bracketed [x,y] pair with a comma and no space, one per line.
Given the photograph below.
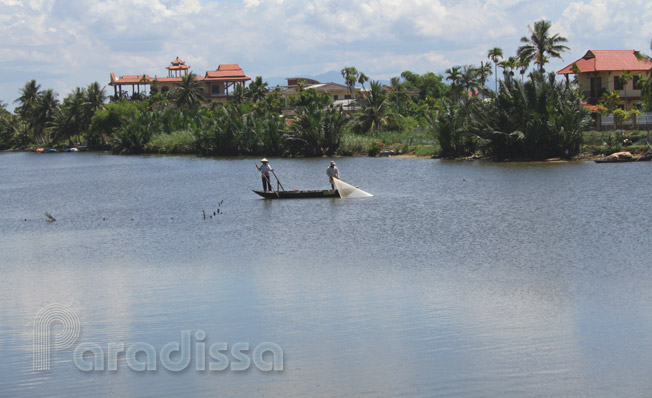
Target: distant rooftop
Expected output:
[609,60]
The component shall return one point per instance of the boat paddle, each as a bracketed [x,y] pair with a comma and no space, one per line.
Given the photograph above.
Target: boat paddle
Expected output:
[277,180]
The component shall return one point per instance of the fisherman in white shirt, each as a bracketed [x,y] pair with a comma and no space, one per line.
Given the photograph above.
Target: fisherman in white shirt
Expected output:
[264,169]
[332,172]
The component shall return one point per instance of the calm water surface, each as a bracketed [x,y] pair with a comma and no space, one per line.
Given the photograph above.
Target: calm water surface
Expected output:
[455,279]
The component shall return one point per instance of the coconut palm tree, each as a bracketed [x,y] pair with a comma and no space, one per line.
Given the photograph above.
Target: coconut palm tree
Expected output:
[44,113]
[494,55]
[188,92]
[540,46]
[66,122]
[376,115]
[28,98]
[94,97]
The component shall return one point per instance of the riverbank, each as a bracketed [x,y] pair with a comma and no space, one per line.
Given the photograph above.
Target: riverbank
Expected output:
[584,156]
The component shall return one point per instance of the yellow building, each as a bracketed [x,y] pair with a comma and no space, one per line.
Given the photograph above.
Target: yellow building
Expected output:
[599,71]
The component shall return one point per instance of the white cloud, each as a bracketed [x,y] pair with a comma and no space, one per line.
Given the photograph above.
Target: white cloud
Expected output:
[78,42]
[606,25]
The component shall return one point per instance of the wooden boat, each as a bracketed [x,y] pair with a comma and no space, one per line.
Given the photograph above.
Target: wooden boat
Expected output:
[298,194]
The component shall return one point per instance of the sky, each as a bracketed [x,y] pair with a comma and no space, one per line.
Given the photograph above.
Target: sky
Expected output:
[63,44]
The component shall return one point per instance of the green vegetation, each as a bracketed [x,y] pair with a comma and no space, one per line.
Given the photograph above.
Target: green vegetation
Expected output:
[182,141]
[608,142]
[452,115]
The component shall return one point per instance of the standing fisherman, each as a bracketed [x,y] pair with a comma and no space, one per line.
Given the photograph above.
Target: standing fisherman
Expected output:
[265,169]
[332,172]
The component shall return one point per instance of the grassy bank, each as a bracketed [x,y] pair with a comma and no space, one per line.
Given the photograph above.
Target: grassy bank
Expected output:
[418,143]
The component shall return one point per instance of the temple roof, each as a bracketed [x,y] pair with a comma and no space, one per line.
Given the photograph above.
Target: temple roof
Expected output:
[229,72]
[224,72]
[177,64]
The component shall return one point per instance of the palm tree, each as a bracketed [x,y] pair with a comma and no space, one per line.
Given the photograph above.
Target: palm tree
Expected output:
[522,64]
[188,92]
[540,45]
[350,75]
[362,79]
[257,89]
[376,114]
[469,80]
[66,121]
[44,113]
[508,65]
[483,71]
[494,55]
[454,75]
[7,126]
[316,131]
[28,98]
[95,97]
[447,124]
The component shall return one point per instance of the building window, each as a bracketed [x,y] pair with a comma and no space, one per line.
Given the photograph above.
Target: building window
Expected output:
[165,89]
[618,83]
[347,96]
[638,84]
[335,98]
[215,90]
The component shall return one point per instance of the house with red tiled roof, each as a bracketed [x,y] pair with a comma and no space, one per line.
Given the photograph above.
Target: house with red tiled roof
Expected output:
[216,85]
[599,71]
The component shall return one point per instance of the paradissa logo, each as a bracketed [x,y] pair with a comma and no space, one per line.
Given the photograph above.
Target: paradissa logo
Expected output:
[174,356]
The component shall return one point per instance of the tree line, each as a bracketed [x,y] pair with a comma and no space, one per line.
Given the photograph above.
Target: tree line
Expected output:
[528,116]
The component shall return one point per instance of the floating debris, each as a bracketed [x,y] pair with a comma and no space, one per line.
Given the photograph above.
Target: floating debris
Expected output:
[216,213]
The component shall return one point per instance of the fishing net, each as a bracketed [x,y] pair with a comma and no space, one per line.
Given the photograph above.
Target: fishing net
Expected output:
[349,191]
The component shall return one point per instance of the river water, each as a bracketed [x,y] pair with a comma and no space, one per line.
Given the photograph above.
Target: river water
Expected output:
[455,279]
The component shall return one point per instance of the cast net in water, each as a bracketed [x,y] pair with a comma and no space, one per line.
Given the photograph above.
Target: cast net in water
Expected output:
[349,191]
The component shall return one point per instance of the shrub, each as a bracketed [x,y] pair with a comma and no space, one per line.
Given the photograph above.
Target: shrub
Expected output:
[182,141]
